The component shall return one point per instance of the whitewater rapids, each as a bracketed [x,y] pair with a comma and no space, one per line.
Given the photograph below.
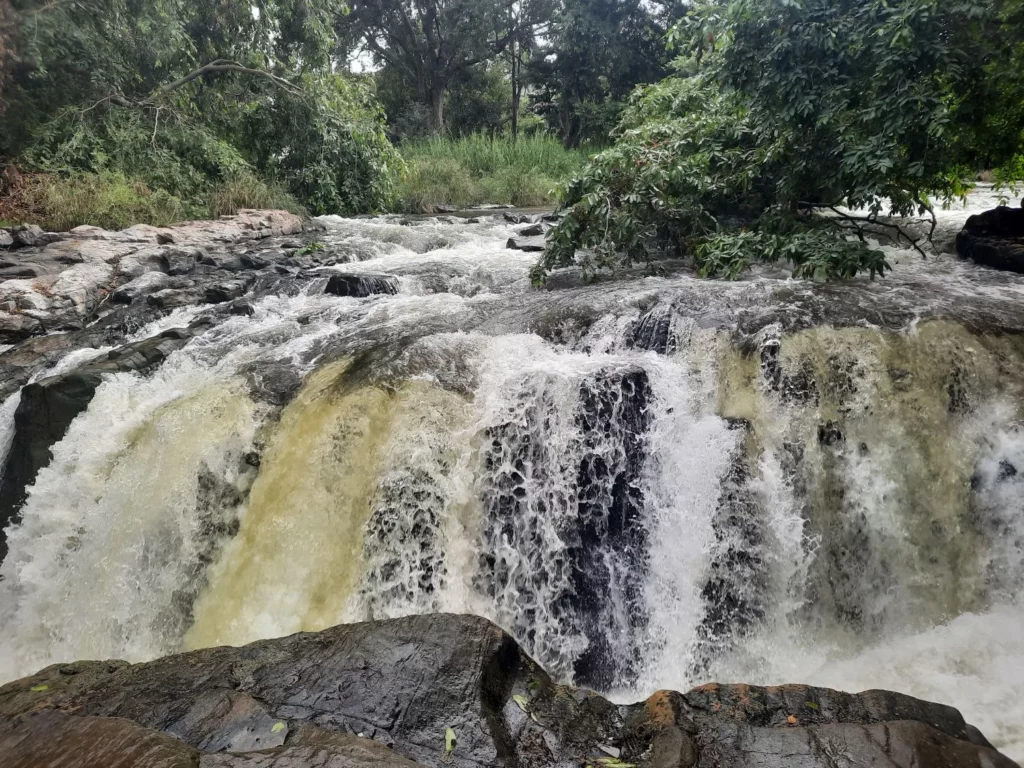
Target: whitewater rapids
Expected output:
[652,483]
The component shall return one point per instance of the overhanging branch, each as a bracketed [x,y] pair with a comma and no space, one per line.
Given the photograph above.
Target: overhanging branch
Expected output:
[855,223]
[220,65]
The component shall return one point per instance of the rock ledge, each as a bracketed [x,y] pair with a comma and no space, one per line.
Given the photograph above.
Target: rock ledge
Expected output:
[445,690]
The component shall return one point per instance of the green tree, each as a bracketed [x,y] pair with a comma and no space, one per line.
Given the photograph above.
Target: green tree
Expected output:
[784,109]
[185,94]
[435,42]
[595,53]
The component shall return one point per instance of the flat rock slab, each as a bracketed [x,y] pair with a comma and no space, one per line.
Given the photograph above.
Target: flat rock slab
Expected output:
[448,690]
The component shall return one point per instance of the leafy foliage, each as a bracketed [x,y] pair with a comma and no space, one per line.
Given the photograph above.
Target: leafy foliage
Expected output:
[191,98]
[595,53]
[782,109]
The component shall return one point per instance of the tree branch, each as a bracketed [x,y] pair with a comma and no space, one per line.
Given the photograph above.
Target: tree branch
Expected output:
[220,65]
[856,222]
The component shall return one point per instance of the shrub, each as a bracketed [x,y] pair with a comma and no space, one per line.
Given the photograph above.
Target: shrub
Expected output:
[781,111]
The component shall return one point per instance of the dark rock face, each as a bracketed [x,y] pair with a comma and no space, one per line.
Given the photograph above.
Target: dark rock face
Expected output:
[994,238]
[608,554]
[361,286]
[594,584]
[445,690]
[527,244]
[737,576]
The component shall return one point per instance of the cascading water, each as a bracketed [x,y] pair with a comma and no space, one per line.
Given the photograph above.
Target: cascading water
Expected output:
[651,483]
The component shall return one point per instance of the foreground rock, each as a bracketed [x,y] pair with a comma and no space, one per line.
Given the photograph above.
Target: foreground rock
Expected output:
[446,690]
[994,238]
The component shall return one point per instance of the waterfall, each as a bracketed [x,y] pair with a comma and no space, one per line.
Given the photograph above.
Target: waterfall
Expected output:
[652,483]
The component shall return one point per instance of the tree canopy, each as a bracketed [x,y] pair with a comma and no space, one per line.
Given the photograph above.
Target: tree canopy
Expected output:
[432,43]
[781,110]
[184,94]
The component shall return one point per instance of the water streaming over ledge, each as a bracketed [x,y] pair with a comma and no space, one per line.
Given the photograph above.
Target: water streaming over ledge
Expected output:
[652,483]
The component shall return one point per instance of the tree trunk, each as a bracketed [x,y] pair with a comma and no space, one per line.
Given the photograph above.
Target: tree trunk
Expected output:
[435,100]
[517,87]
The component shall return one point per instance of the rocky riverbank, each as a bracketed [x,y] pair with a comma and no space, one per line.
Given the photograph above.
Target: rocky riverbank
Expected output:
[446,690]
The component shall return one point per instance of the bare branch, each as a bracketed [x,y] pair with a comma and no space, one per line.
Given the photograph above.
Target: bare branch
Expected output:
[856,221]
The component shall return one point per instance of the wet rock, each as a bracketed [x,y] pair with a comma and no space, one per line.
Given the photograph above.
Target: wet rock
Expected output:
[226,291]
[733,593]
[528,244]
[361,285]
[742,726]
[534,230]
[994,238]
[52,738]
[653,331]
[517,218]
[386,694]
[145,284]
[180,261]
[17,326]
[172,298]
[32,235]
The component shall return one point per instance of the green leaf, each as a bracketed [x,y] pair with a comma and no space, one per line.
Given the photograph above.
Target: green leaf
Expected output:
[278,727]
[522,701]
[449,741]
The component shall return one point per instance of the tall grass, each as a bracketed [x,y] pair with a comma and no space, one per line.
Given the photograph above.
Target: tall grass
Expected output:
[114,201]
[481,169]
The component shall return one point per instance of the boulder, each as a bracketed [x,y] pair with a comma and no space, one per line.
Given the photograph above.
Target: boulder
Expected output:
[143,285]
[30,235]
[172,298]
[181,261]
[534,230]
[994,238]
[360,285]
[89,232]
[530,244]
[16,326]
[6,240]
[448,690]
[53,738]
[229,290]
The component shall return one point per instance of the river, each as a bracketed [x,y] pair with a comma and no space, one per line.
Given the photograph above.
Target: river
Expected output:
[652,482]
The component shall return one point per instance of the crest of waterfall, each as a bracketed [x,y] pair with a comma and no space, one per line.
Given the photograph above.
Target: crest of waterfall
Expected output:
[652,483]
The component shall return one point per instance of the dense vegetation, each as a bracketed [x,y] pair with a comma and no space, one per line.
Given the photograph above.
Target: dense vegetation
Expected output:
[781,110]
[727,132]
[480,169]
[178,107]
